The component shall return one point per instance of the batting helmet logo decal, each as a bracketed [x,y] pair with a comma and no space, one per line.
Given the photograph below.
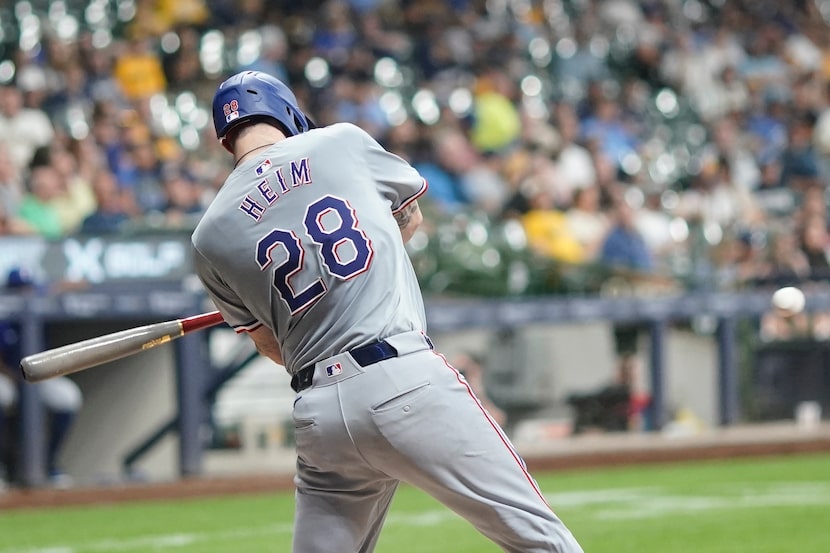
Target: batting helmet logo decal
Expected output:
[231,110]
[334,370]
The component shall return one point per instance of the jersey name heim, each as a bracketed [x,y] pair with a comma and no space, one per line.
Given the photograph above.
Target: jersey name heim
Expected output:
[265,194]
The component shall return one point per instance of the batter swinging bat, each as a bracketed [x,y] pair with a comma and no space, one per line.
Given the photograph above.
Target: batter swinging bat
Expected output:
[72,358]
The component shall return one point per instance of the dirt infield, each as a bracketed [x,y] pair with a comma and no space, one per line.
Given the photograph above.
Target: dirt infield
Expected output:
[578,452]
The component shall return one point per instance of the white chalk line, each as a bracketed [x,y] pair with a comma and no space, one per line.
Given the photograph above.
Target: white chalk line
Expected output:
[640,503]
[619,503]
[173,541]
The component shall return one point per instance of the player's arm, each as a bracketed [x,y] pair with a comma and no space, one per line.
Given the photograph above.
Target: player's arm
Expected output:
[396,179]
[409,218]
[266,344]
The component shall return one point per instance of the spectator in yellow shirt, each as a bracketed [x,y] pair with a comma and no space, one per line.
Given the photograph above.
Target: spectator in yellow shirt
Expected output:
[547,229]
[138,70]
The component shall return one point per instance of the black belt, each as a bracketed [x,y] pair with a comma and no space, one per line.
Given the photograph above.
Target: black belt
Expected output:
[363,356]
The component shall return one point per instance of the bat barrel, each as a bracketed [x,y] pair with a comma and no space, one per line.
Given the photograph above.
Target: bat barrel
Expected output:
[78,356]
[103,349]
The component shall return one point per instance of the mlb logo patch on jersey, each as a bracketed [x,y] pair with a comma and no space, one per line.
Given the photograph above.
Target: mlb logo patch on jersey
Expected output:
[264,166]
[334,370]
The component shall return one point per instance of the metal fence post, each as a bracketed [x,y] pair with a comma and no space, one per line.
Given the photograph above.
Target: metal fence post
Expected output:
[657,408]
[31,411]
[728,382]
[191,368]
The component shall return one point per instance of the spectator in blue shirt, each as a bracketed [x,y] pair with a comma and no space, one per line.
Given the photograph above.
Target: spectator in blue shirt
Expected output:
[625,251]
[624,247]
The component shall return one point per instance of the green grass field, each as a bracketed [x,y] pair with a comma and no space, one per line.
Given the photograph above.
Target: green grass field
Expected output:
[764,505]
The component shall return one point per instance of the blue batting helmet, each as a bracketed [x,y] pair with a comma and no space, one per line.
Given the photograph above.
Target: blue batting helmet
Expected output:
[253,94]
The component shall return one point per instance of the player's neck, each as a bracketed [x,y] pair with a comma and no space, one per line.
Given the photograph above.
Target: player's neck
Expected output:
[247,153]
[253,140]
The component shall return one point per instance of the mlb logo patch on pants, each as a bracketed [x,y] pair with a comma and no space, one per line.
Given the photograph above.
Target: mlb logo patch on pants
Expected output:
[334,370]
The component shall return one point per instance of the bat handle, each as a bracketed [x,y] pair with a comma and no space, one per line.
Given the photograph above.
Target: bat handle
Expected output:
[198,322]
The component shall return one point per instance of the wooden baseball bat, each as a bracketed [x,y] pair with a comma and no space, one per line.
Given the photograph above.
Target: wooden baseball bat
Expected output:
[78,356]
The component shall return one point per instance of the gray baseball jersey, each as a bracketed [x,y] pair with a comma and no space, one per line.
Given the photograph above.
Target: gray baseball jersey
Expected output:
[302,239]
[264,264]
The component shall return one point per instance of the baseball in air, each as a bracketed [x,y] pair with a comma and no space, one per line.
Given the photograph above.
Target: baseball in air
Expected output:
[789,299]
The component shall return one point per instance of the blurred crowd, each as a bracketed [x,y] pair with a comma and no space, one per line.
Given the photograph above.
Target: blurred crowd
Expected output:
[674,143]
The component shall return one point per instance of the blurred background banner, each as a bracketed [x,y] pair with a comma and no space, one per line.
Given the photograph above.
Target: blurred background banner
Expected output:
[97,260]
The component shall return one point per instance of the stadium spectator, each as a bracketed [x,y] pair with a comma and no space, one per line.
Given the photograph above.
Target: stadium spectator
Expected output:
[624,249]
[743,260]
[766,124]
[11,182]
[356,97]
[764,67]
[574,164]
[812,205]
[153,18]
[183,69]
[496,122]
[141,172]
[183,199]
[75,199]
[273,49]
[714,198]
[664,233]
[138,70]
[101,84]
[113,206]
[62,400]
[22,129]
[70,105]
[730,142]
[60,396]
[336,35]
[608,130]
[632,268]
[788,264]
[815,242]
[582,63]
[37,209]
[452,156]
[537,158]
[548,231]
[799,162]
[774,198]
[587,222]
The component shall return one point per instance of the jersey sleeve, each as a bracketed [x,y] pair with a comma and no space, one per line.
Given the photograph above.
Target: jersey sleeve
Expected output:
[397,180]
[231,307]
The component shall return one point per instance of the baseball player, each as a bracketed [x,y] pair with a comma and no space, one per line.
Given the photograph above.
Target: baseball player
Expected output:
[61,397]
[303,250]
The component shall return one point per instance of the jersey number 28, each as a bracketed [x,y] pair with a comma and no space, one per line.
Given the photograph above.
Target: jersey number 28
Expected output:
[329,240]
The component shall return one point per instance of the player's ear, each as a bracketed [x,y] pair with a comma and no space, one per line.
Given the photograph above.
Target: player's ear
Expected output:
[226,144]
